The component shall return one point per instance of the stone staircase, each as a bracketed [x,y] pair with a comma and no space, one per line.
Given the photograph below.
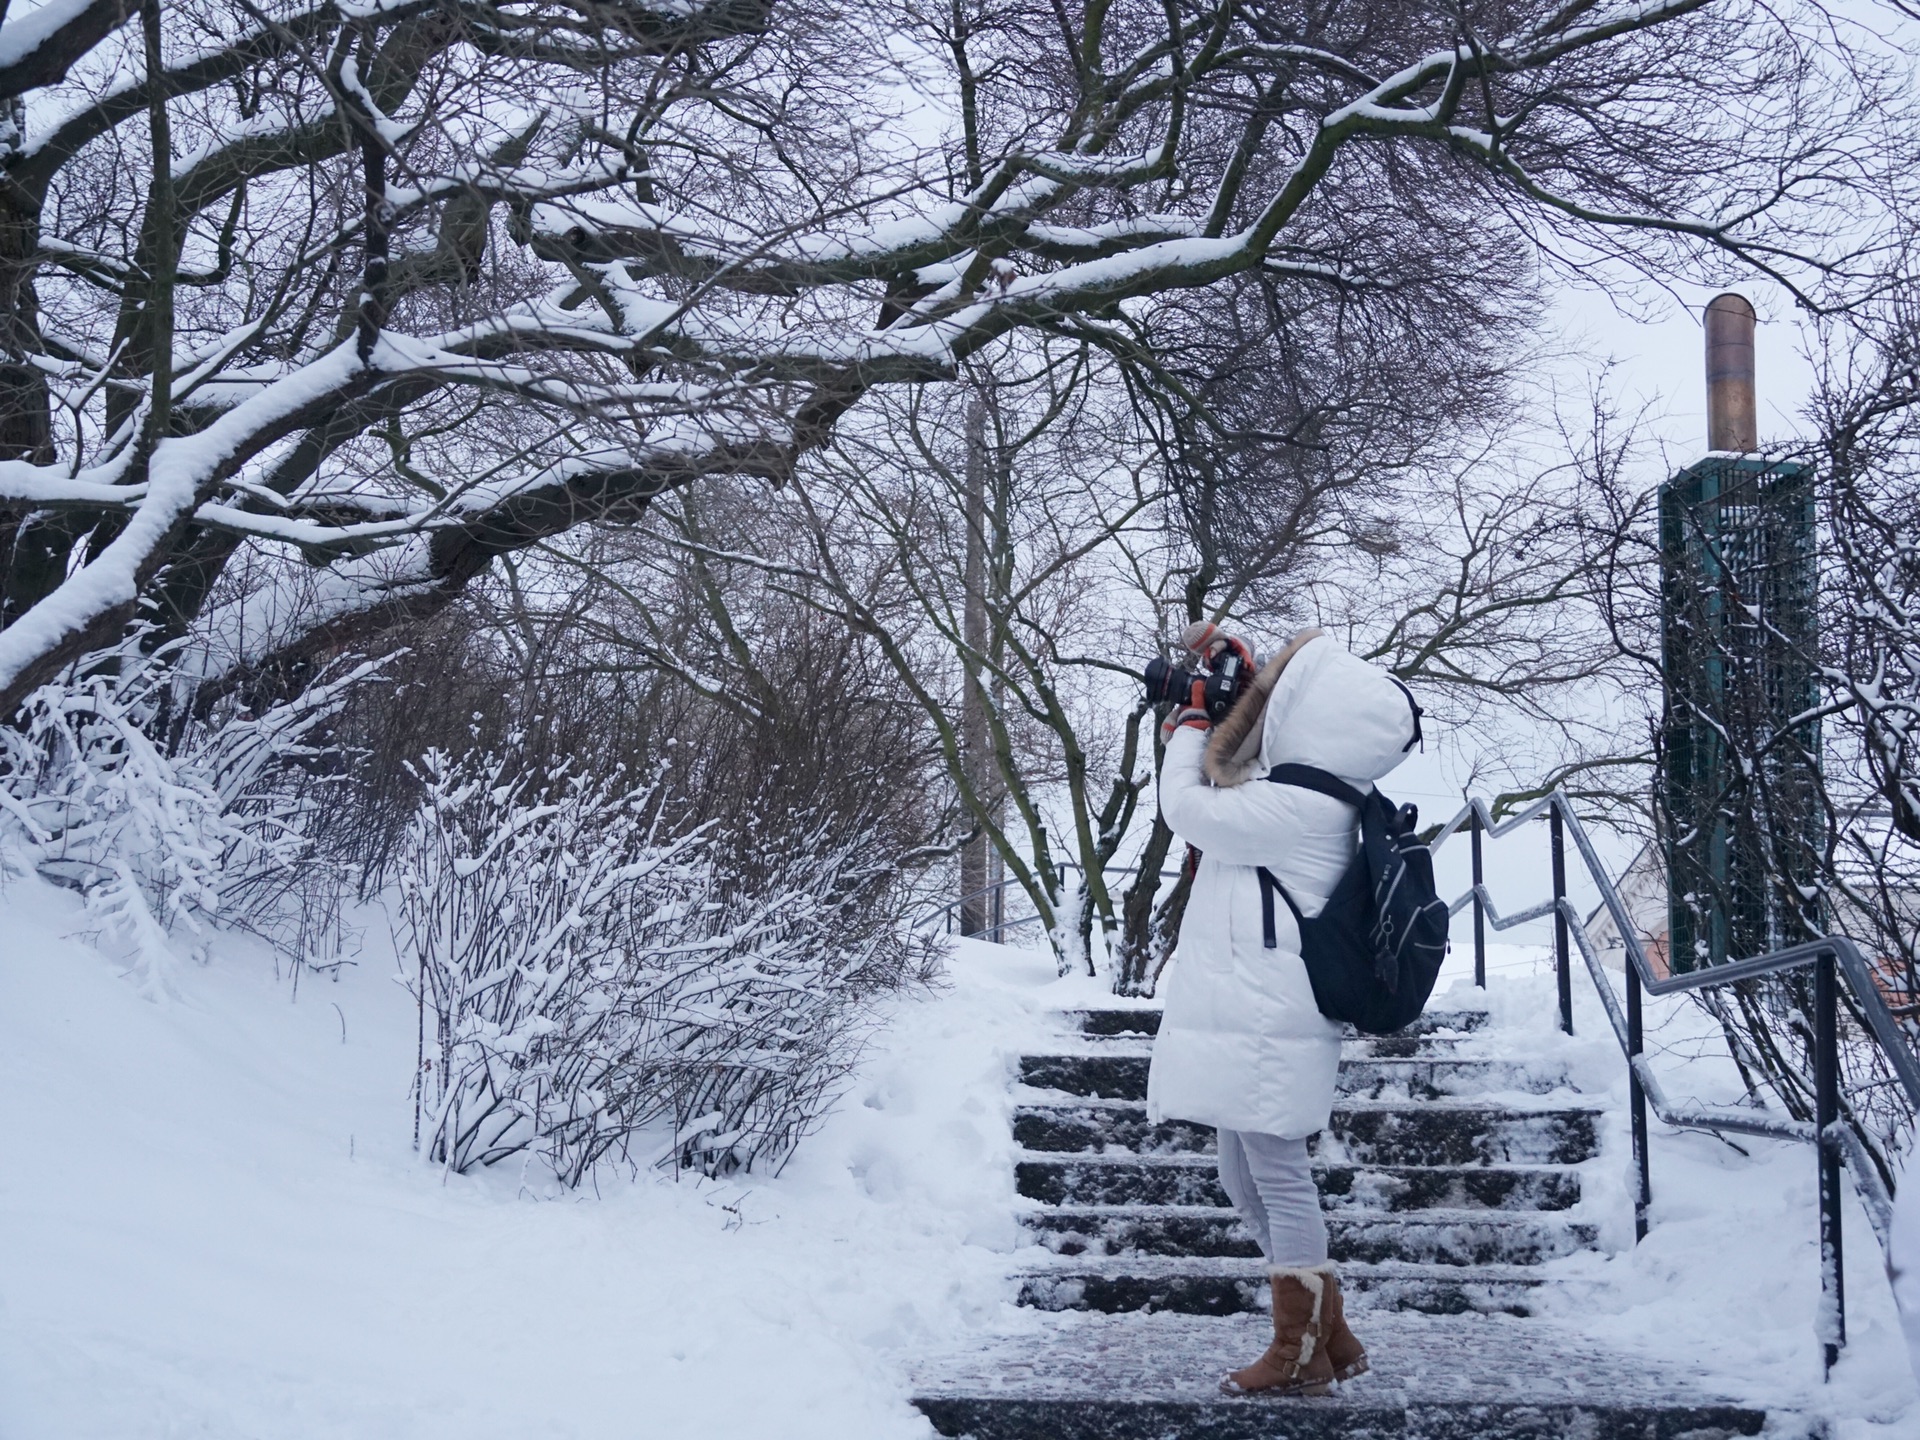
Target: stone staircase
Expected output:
[1450,1176]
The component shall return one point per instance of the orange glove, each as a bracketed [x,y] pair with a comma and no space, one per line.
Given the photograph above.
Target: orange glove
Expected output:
[1193,714]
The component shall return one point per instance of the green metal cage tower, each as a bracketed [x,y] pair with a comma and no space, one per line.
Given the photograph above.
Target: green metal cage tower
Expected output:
[1739,762]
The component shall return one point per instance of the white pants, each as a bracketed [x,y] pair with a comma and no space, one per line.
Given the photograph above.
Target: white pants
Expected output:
[1271,1184]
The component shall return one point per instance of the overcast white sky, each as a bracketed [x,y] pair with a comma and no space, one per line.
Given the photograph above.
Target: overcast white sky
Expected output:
[1660,359]
[1659,363]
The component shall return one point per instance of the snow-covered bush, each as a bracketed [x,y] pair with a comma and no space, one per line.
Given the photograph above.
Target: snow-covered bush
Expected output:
[591,980]
[166,821]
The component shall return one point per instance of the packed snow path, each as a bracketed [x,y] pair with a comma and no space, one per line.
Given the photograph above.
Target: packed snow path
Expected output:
[1449,1175]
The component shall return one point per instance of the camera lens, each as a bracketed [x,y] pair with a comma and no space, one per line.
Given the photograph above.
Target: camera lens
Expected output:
[1163,681]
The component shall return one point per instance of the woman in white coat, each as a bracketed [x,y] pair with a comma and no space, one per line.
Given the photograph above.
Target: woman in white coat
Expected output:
[1242,1046]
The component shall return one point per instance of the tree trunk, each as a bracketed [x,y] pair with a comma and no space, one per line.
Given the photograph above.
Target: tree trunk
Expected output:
[1134,956]
[33,547]
[1166,922]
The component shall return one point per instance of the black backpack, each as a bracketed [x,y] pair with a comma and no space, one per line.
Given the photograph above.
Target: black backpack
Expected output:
[1374,952]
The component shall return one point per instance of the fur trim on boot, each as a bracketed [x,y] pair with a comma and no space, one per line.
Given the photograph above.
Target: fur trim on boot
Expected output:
[1233,751]
[1296,1362]
[1345,1353]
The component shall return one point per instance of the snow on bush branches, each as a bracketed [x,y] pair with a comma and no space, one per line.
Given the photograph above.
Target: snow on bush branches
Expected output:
[163,821]
[592,979]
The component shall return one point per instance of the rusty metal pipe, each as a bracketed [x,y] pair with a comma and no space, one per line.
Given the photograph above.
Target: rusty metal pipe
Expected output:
[1732,410]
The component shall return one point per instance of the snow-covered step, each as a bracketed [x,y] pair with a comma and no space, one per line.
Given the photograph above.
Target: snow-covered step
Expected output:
[1124,1076]
[1464,1133]
[1456,1237]
[1114,1022]
[1144,1020]
[1428,1237]
[1410,1133]
[1437,1022]
[1362,1047]
[1099,1125]
[1186,1285]
[1407,1047]
[1447,1187]
[1386,1048]
[1192,1180]
[1422,1078]
[1106,1077]
[1456,1377]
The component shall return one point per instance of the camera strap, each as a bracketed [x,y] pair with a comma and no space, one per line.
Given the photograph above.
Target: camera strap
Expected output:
[1418,738]
[1269,886]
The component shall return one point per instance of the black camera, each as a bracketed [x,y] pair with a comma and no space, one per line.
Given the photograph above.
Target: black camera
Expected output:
[1222,682]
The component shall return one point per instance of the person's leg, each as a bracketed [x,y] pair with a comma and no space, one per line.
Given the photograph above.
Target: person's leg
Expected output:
[1237,1180]
[1282,1177]
[1312,1345]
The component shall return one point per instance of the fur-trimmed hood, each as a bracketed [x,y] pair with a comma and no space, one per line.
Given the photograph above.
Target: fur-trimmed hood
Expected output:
[1315,703]
[1233,749]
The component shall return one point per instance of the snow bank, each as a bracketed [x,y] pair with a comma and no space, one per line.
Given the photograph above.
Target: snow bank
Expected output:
[212,1224]
[1728,1275]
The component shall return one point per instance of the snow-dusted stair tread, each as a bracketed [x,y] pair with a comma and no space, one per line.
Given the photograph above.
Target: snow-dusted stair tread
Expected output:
[1143,1017]
[1435,1132]
[1459,1377]
[1440,1236]
[1194,1285]
[1045,1262]
[1188,1179]
[1109,1075]
[1364,1047]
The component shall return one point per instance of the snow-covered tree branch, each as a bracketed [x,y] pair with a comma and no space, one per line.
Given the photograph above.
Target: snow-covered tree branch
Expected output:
[366,297]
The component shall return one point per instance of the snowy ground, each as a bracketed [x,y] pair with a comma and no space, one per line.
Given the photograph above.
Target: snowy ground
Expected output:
[1728,1275]
[212,1225]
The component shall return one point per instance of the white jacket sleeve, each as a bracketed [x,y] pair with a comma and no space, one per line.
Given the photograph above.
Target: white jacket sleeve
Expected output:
[1249,824]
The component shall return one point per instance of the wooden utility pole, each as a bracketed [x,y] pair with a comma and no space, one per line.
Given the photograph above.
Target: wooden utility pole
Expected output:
[980,899]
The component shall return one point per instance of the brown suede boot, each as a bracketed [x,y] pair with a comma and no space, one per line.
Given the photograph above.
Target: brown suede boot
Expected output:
[1345,1353]
[1296,1362]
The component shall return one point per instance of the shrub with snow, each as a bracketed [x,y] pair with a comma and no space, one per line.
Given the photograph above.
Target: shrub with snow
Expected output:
[166,820]
[596,985]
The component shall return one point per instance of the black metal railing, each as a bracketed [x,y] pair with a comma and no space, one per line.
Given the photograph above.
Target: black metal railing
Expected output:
[1831,958]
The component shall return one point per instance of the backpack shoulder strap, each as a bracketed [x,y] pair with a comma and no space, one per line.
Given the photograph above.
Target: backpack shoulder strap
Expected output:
[1269,886]
[1418,738]
[1309,778]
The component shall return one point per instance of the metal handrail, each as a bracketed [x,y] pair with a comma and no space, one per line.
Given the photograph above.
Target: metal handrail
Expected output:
[1835,1141]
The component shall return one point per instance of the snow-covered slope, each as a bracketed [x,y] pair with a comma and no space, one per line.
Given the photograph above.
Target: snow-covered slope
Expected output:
[212,1224]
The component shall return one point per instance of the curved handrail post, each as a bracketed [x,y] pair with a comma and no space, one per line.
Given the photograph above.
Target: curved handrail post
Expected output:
[1479,909]
[1563,968]
[1637,1097]
[1826,1073]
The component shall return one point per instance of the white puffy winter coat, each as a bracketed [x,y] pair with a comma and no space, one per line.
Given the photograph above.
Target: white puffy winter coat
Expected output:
[1242,1044]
